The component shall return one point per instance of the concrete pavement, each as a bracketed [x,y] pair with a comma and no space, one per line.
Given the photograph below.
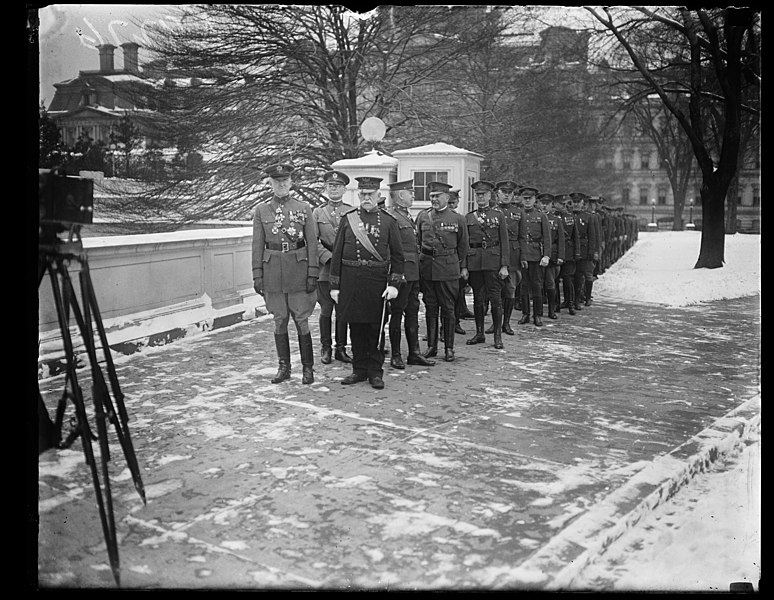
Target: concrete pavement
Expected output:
[507,469]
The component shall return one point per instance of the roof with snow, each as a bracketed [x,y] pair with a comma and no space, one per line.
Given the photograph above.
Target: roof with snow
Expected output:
[437,148]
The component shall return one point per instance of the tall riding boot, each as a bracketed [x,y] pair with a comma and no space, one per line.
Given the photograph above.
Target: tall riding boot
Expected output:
[326,352]
[569,293]
[507,310]
[396,360]
[537,309]
[524,309]
[557,296]
[552,304]
[589,286]
[340,353]
[497,316]
[448,341]
[579,285]
[307,357]
[415,355]
[432,337]
[479,338]
[282,342]
[491,328]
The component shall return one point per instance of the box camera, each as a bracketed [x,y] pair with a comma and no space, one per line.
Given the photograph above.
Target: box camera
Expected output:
[64,199]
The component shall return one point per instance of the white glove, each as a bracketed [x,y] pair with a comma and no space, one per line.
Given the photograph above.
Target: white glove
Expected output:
[503,272]
[544,261]
[335,296]
[390,292]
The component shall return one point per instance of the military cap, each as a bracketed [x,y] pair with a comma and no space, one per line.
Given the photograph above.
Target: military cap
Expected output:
[438,186]
[402,185]
[506,184]
[545,197]
[562,197]
[279,170]
[482,186]
[454,194]
[528,191]
[578,196]
[368,183]
[595,199]
[336,177]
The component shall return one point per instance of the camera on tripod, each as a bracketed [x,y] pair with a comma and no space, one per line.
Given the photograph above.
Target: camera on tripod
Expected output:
[63,201]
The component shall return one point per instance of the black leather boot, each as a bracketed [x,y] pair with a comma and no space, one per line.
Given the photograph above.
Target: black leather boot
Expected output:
[551,304]
[307,358]
[432,337]
[569,294]
[415,356]
[396,360]
[589,286]
[282,342]
[448,342]
[340,352]
[326,351]
[507,311]
[497,316]
[537,309]
[479,338]
[524,310]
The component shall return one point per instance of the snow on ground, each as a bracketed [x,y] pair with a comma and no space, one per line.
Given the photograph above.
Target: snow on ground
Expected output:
[659,269]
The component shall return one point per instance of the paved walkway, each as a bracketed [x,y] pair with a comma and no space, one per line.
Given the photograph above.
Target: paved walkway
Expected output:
[507,469]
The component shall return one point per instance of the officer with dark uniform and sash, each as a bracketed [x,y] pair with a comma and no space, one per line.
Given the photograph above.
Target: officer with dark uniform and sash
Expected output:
[535,240]
[442,237]
[285,268]
[406,306]
[556,253]
[327,217]
[505,203]
[460,306]
[366,271]
[563,209]
[589,243]
[488,260]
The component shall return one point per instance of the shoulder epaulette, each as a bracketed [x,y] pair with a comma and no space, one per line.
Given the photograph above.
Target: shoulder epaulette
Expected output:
[386,212]
[349,211]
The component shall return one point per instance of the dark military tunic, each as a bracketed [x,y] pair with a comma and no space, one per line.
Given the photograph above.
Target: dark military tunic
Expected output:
[443,241]
[408,239]
[534,235]
[359,275]
[557,248]
[488,238]
[587,234]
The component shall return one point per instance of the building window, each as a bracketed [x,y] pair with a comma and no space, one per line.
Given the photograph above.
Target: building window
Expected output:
[739,195]
[422,178]
[625,195]
[756,200]
[644,195]
[645,161]
[662,195]
[627,161]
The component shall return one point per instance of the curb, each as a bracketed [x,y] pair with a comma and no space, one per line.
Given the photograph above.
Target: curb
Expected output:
[574,548]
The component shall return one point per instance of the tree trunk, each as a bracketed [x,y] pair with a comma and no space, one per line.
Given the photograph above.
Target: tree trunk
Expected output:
[733,193]
[713,230]
[678,223]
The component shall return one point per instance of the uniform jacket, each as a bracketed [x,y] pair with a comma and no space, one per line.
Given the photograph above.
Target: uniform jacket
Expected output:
[587,234]
[513,216]
[443,241]
[556,224]
[534,235]
[326,218]
[290,222]
[571,241]
[488,238]
[408,240]
[358,274]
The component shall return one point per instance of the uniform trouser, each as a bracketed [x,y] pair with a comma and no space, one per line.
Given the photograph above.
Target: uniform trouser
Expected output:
[298,305]
[551,273]
[367,357]
[512,283]
[532,287]
[461,304]
[327,306]
[486,284]
[567,275]
[440,297]
[404,307]
[584,271]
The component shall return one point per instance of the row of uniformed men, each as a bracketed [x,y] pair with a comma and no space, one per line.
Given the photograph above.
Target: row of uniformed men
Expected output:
[361,261]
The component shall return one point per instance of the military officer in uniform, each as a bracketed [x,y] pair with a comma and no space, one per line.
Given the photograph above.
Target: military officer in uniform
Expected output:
[488,260]
[442,236]
[589,244]
[366,271]
[535,241]
[327,217]
[563,209]
[406,306]
[556,253]
[285,267]
[460,306]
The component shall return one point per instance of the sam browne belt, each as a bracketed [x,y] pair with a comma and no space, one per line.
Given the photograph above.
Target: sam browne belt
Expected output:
[364,263]
[485,244]
[285,246]
[434,252]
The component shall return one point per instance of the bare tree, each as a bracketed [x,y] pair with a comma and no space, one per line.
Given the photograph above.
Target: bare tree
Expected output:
[716,66]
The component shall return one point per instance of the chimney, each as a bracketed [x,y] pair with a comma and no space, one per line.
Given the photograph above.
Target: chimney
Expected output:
[131,64]
[106,58]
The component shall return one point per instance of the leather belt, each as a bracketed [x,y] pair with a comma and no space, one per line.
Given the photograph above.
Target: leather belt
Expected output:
[364,263]
[434,252]
[485,244]
[286,246]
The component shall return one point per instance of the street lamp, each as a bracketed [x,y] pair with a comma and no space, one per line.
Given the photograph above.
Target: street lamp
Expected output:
[653,212]
[113,156]
[690,219]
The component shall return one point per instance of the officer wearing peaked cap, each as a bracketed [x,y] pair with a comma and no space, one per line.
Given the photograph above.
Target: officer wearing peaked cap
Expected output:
[405,307]
[505,191]
[442,237]
[327,217]
[535,241]
[460,306]
[285,266]
[556,252]
[488,260]
[589,243]
[563,208]
[366,271]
